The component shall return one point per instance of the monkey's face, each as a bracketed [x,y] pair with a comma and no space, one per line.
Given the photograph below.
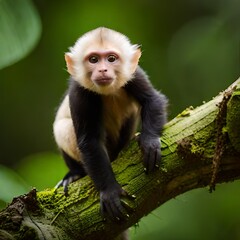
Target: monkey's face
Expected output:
[103,61]
[103,68]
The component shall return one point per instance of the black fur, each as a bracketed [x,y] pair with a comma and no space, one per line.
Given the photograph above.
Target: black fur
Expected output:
[86,111]
[98,149]
[153,103]
[153,116]
[74,166]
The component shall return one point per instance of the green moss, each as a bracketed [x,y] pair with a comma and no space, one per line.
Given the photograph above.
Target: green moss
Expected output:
[186,112]
[199,146]
[204,142]
[233,122]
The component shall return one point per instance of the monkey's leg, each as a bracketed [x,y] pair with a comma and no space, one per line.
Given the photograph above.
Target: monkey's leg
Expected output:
[66,141]
[76,171]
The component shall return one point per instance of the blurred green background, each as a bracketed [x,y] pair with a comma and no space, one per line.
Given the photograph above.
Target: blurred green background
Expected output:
[190,51]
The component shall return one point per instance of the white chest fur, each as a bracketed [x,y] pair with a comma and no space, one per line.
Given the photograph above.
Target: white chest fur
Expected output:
[116,108]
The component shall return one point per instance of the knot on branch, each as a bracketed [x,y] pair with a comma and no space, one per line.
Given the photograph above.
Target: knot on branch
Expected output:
[221,136]
[185,148]
[233,116]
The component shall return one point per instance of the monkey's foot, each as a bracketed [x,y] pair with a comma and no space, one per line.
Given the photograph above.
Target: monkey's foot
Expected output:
[69,178]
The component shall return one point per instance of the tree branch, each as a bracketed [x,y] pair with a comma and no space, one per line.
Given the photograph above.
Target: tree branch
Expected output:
[200,146]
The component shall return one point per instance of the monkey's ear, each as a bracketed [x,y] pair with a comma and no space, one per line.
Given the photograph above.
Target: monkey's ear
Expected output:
[135,60]
[69,62]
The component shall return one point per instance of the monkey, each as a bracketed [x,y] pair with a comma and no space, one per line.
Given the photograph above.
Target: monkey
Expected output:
[108,96]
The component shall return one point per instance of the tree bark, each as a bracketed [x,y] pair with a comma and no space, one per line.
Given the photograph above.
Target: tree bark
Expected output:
[200,147]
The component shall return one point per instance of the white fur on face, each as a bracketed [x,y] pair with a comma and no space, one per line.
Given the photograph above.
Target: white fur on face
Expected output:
[103,39]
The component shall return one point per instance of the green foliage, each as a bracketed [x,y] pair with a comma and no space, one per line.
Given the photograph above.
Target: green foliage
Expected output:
[207,47]
[19,30]
[42,170]
[196,215]
[11,184]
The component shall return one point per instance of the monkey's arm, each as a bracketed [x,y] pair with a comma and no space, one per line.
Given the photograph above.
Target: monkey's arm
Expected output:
[153,115]
[86,112]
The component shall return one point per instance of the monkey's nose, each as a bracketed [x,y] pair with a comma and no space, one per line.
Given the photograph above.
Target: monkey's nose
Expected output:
[102,70]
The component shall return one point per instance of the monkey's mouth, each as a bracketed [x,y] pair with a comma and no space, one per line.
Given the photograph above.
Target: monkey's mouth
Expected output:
[103,81]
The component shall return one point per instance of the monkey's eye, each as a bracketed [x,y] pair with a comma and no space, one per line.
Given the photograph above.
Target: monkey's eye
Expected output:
[93,59]
[112,58]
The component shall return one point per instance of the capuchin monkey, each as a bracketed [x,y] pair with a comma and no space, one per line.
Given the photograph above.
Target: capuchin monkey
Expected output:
[107,96]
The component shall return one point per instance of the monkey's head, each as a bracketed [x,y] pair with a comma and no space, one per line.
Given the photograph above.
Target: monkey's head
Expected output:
[103,60]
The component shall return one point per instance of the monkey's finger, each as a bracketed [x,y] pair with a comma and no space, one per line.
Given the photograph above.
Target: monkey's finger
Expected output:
[102,210]
[130,196]
[157,158]
[65,186]
[115,209]
[112,210]
[58,185]
[125,193]
[150,161]
[105,207]
[106,211]
[153,160]
[127,207]
[146,158]
[118,210]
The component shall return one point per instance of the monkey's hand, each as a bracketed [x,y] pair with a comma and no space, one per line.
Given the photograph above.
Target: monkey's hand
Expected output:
[151,148]
[110,203]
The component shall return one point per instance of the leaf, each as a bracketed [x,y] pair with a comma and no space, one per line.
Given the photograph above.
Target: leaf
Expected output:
[11,184]
[20,29]
[42,170]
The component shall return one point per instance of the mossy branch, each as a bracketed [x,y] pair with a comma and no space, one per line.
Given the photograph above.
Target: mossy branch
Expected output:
[199,147]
